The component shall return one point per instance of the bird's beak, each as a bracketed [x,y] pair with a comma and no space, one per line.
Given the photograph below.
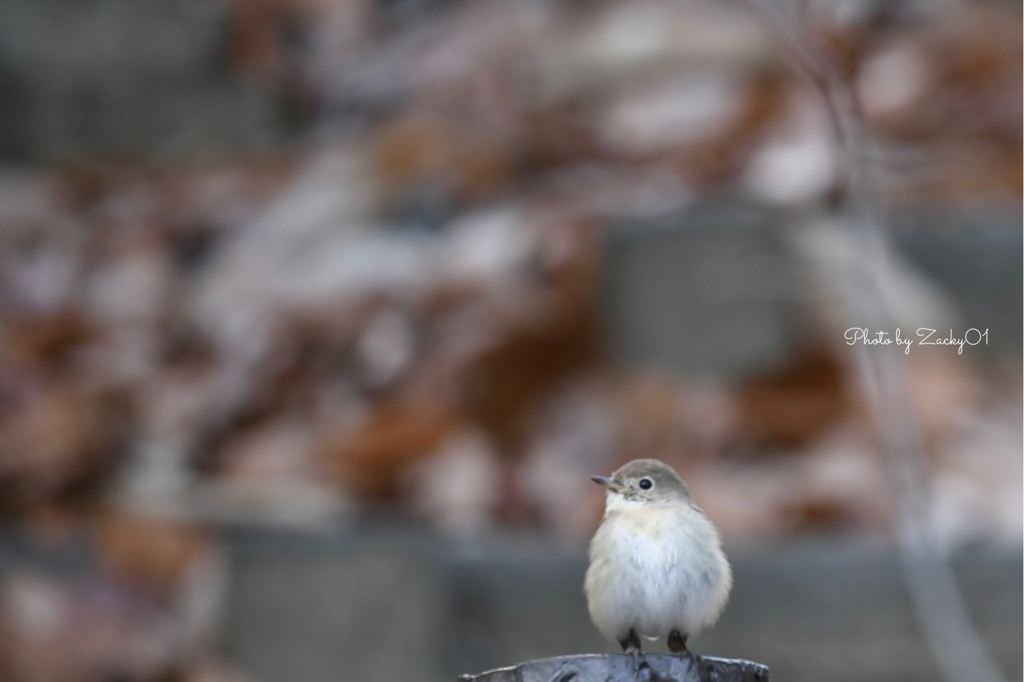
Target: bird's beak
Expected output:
[607,483]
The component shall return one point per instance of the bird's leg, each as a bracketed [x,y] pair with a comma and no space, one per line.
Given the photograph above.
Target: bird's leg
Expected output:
[677,643]
[631,645]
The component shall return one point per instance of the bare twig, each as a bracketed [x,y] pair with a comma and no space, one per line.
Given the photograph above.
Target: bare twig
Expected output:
[938,604]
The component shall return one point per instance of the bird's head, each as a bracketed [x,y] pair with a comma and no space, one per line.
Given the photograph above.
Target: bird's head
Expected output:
[646,481]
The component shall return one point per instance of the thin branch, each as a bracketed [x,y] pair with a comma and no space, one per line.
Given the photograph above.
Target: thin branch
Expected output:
[938,604]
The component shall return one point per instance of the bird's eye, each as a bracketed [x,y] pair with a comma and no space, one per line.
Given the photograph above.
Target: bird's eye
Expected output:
[646,484]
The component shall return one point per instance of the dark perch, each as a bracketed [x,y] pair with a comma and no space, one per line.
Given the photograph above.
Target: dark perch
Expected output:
[619,668]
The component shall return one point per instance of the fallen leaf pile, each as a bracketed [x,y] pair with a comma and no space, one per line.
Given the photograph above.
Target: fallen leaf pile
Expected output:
[406,310]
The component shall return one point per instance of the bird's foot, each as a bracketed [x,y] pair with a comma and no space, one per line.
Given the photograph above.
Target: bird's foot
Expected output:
[639,660]
[677,644]
[631,646]
[641,668]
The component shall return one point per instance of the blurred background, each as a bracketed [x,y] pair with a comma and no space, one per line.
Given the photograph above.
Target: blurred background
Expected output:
[316,317]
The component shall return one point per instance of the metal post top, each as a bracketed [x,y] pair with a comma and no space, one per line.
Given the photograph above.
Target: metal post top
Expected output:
[620,667]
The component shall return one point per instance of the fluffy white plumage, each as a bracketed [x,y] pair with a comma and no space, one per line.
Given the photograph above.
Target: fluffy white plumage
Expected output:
[656,565]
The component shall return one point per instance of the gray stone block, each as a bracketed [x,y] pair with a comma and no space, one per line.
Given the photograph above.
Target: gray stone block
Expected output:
[716,291]
[125,78]
[973,256]
[308,611]
[705,292]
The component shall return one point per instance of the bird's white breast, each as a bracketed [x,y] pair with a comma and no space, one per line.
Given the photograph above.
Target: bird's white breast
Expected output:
[655,568]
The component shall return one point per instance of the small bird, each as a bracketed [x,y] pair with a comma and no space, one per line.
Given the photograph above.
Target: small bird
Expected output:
[656,561]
